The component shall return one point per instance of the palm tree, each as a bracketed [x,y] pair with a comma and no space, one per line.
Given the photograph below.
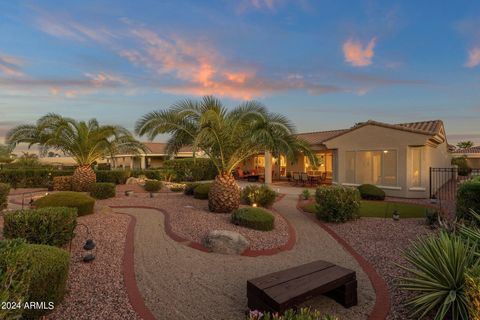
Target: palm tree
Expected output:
[228,137]
[5,154]
[85,142]
[465,144]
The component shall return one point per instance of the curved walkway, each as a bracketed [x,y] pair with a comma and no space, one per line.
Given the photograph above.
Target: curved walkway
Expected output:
[179,282]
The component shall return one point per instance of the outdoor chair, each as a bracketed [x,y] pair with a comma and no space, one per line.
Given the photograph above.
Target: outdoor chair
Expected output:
[304,178]
[296,178]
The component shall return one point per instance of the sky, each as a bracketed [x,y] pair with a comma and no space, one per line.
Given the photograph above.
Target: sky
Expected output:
[324,64]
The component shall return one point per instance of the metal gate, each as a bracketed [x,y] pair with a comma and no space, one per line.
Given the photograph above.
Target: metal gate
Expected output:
[444,181]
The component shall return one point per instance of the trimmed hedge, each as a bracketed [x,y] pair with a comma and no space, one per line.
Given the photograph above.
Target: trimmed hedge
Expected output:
[190,169]
[468,197]
[337,203]
[70,199]
[62,183]
[153,185]
[32,272]
[262,195]
[31,178]
[371,192]
[50,226]
[201,191]
[102,190]
[113,176]
[253,218]
[4,191]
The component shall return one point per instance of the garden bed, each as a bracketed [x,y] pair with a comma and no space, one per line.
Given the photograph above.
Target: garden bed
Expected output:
[190,219]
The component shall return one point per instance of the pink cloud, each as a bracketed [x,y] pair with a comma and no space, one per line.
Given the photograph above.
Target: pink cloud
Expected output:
[473,58]
[358,56]
[10,65]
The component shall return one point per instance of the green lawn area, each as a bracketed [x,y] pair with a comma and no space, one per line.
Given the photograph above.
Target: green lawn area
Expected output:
[380,209]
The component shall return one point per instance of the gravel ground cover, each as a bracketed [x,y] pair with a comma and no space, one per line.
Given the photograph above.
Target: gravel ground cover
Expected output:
[182,283]
[381,242]
[96,290]
[190,219]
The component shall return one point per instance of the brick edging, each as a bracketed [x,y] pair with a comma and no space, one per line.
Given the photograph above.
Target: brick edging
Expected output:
[129,278]
[198,246]
[382,296]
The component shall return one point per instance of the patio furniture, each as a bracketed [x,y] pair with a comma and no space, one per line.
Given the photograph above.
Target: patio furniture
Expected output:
[304,178]
[253,177]
[296,177]
[314,179]
[279,291]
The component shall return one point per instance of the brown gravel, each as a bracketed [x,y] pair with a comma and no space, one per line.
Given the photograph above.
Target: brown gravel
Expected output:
[96,290]
[381,242]
[190,219]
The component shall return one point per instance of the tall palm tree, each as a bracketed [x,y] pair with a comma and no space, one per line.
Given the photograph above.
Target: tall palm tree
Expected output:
[228,137]
[85,142]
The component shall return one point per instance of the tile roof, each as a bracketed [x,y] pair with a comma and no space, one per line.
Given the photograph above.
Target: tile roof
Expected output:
[468,150]
[160,148]
[432,128]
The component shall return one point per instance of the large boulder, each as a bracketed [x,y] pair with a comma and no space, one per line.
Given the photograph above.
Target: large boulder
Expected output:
[226,242]
[133,180]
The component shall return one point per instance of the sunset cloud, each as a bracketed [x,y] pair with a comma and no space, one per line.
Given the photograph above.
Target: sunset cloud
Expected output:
[356,54]
[10,66]
[473,58]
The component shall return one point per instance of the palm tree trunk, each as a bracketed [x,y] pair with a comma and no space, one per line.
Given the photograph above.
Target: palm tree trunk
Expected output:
[224,194]
[83,178]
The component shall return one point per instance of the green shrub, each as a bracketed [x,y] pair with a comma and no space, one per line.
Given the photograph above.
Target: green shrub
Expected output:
[371,192]
[50,226]
[153,185]
[31,272]
[472,291]
[70,199]
[113,176]
[201,191]
[468,197]
[148,173]
[262,195]
[337,203]
[290,314]
[437,276]
[4,191]
[14,278]
[253,218]
[461,163]
[190,169]
[306,194]
[190,187]
[62,183]
[102,190]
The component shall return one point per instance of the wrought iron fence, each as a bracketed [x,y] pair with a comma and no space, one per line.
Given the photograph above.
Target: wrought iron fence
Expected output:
[444,181]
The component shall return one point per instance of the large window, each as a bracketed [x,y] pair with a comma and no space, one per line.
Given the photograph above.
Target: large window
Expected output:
[416,167]
[373,167]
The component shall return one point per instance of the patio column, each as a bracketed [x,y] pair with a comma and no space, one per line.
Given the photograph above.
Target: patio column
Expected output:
[143,162]
[268,167]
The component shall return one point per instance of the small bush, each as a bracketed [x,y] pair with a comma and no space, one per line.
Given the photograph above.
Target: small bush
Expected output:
[70,199]
[4,191]
[306,194]
[201,191]
[468,197]
[31,178]
[261,195]
[102,190]
[31,272]
[253,218]
[62,183]
[371,192]
[50,226]
[472,291]
[153,185]
[190,187]
[337,203]
[290,314]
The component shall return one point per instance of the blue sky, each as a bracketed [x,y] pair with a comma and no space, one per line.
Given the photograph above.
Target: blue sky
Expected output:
[324,64]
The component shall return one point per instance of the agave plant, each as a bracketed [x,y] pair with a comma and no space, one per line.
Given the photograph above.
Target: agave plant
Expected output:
[228,137]
[437,275]
[85,142]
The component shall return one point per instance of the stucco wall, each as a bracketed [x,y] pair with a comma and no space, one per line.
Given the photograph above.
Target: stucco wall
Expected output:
[373,137]
[473,163]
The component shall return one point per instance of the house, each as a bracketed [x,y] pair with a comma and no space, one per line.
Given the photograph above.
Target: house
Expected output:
[472,156]
[395,157]
[153,157]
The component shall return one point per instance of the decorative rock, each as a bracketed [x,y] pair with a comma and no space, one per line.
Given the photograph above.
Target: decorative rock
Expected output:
[133,180]
[226,242]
